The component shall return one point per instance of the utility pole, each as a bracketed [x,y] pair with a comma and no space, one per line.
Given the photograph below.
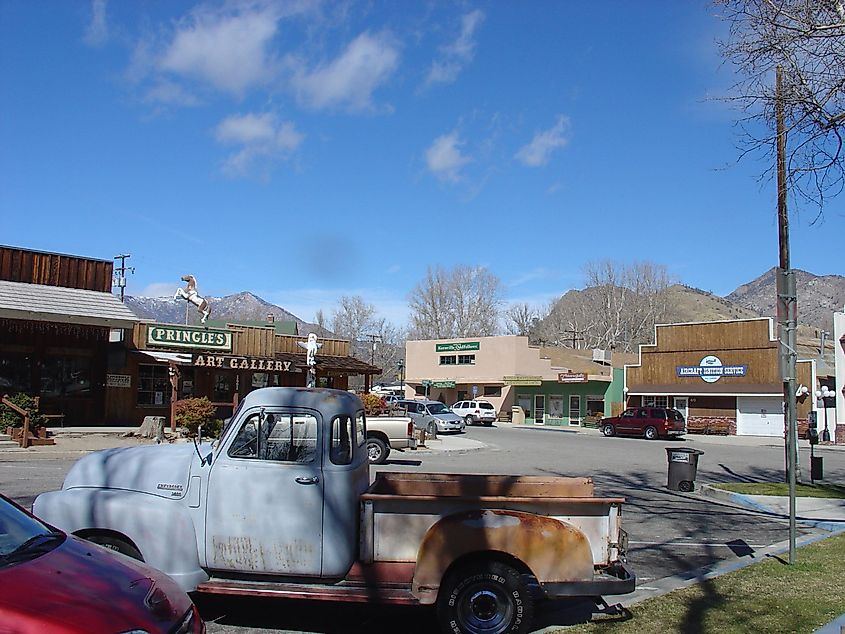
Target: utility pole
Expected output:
[120,273]
[787,310]
[373,339]
[574,332]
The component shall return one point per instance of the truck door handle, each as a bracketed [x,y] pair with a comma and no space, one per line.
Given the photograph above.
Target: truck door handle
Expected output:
[312,480]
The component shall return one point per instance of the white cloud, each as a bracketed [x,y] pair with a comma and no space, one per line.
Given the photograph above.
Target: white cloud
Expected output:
[538,273]
[350,80]
[97,32]
[170,93]
[539,150]
[230,51]
[456,55]
[260,137]
[394,269]
[444,157]
[159,289]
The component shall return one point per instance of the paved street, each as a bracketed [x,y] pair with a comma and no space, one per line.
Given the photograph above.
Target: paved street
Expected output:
[670,532]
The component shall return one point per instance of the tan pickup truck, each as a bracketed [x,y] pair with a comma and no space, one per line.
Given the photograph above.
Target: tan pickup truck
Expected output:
[283,506]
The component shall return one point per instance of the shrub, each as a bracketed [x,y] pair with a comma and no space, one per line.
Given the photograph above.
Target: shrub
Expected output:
[193,412]
[10,418]
[374,405]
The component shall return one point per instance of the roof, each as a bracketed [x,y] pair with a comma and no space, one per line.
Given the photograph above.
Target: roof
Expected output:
[582,360]
[57,304]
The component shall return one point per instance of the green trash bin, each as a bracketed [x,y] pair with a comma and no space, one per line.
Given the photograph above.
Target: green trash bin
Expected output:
[683,466]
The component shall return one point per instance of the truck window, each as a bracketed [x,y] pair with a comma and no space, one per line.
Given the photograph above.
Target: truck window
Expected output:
[279,437]
[361,435]
[342,436]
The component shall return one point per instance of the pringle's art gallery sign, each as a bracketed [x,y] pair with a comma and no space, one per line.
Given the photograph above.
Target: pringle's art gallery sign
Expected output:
[243,363]
[187,337]
[710,369]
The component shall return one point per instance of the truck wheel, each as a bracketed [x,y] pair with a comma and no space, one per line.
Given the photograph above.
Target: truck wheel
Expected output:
[608,430]
[468,420]
[485,598]
[650,432]
[377,450]
[116,544]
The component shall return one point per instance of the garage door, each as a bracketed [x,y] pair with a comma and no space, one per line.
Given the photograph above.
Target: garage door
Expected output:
[759,416]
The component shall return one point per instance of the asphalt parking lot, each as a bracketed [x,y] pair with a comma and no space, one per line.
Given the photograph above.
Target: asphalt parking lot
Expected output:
[671,533]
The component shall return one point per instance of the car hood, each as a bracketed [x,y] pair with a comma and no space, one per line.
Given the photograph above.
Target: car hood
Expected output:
[449,417]
[80,587]
[161,470]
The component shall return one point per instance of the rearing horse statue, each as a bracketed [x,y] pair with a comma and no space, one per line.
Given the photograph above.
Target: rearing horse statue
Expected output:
[190,294]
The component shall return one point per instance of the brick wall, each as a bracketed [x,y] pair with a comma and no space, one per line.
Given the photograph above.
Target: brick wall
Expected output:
[712,425]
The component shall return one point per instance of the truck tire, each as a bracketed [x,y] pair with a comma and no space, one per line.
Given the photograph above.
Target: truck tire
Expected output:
[116,544]
[651,432]
[486,597]
[468,420]
[377,450]
[608,430]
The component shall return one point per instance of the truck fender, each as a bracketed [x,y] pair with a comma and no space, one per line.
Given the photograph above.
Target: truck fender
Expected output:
[553,550]
[160,528]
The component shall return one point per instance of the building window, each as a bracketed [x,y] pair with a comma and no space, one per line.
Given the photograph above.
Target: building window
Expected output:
[466,359]
[447,359]
[492,390]
[15,374]
[655,401]
[421,390]
[66,376]
[153,385]
[595,406]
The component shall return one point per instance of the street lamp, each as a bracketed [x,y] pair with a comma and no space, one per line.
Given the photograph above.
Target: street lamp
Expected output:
[823,394]
[401,365]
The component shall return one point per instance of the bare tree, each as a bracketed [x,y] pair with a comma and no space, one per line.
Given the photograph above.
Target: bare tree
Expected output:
[320,319]
[462,302]
[520,319]
[618,307]
[806,38]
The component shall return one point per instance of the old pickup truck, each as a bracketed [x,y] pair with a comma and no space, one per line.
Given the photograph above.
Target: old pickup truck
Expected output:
[282,506]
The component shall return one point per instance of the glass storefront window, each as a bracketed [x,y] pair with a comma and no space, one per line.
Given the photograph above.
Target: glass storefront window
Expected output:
[153,385]
[15,374]
[595,406]
[65,377]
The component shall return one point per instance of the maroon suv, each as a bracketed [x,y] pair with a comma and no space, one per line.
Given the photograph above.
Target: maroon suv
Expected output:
[648,422]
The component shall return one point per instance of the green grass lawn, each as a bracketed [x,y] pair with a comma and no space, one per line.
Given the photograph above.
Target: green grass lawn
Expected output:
[782,488]
[767,597]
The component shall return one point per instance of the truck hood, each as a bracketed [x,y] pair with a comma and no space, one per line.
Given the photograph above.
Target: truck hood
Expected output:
[161,470]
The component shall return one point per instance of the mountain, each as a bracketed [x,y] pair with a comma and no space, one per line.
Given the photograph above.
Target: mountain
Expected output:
[818,297]
[242,306]
[692,304]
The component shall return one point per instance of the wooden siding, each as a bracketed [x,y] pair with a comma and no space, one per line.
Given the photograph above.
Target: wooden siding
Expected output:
[249,341]
[53,269]
[735,343]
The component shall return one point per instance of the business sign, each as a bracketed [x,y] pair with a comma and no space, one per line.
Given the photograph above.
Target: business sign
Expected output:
[443,384]
[118,380]
[457,347]
[710,369]
[571,377]
[187,337]
[523,380]
[243,363]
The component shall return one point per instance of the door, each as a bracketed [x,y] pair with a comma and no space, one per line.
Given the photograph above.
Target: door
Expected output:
[265,497]
[759,416]
[681,403]
[574,409]
[539,409]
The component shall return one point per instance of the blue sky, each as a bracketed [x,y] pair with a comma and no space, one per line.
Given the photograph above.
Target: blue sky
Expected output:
[304,150]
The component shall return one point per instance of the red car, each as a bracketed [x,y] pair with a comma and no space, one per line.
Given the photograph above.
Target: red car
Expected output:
[55,583]
[648,422]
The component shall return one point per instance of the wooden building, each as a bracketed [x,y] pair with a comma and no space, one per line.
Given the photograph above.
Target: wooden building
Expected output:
[723,376]
[56,316]
[166,362]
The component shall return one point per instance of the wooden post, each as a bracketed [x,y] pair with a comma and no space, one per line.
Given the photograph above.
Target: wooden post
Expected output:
[173,371]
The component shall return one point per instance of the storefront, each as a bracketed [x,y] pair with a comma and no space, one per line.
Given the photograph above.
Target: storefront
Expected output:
[57,319]
[834,412]
[164,362]
[723,376]
[553,386]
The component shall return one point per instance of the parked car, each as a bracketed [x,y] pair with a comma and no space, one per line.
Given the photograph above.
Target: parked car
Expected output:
[433,416]
[475,412]
[648,422]
[58,583]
